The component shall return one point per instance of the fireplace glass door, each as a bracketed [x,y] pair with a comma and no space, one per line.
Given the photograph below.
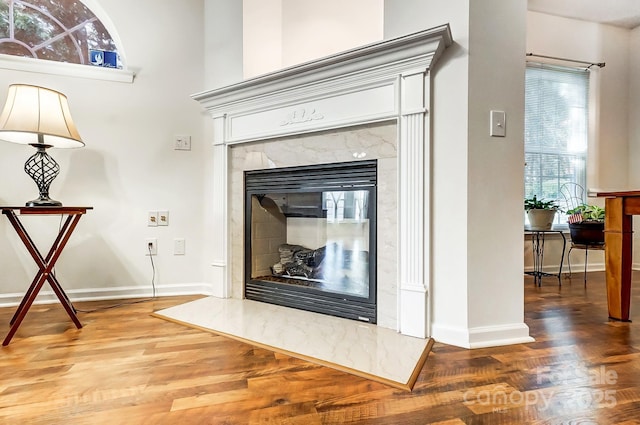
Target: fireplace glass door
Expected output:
[310,238]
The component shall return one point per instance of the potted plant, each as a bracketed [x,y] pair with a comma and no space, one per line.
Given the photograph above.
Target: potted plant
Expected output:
[586,225]
[540,212]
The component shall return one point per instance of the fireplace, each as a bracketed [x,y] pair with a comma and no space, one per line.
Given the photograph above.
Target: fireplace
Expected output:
[310,238]
[373,101]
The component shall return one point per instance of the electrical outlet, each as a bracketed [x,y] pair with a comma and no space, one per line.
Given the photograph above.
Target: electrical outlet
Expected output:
[152,218]
[163,218]
[151,246]
[182,143]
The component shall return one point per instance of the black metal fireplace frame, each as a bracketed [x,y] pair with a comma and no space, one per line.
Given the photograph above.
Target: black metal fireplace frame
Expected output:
[346,176]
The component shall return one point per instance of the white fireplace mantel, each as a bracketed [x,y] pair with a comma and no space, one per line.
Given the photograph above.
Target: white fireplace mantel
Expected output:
[384,81]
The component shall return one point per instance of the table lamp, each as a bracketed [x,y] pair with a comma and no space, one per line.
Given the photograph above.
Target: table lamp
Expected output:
[39,117]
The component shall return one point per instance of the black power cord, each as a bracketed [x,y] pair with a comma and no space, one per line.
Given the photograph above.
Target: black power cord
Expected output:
[153,271]
[153,286]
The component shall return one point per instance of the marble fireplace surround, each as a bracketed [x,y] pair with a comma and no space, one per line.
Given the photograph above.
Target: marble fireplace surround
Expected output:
[373,100]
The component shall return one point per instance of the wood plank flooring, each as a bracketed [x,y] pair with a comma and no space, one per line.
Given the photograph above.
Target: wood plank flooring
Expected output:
[126,367]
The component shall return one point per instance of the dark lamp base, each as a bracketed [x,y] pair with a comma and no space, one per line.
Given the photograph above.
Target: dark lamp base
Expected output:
[42,169]
[44,202]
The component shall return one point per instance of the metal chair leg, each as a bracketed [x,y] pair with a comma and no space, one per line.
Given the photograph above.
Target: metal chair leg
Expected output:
[569,261]
[586,254]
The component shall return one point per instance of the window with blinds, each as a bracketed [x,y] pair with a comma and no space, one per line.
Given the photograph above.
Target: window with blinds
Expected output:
[556,130]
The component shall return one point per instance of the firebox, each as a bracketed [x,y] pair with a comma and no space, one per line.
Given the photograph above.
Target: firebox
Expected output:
[310,238]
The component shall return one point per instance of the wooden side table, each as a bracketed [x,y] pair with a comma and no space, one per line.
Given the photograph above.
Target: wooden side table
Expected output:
[45,263]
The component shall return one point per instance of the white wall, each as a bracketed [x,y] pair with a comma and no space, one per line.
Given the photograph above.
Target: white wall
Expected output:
[634,108]
[477,180]
[222,42]
[128,166]
[613,105]
[634,131]
[495,182]
[314,29]
[283,33]
[262,36]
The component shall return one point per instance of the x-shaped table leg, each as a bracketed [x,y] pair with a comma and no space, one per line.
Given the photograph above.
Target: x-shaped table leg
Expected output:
[45,265]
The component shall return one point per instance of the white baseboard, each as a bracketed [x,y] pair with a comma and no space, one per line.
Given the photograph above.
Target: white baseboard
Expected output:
[575,268]
[482,337]
[117,293]
[591,267]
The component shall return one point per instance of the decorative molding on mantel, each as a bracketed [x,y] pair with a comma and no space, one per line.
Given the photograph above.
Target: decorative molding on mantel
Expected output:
[384,81]
[253,109]
[301,115]
[429,42]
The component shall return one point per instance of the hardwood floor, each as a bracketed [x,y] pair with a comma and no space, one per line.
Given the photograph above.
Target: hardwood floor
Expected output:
[126,367]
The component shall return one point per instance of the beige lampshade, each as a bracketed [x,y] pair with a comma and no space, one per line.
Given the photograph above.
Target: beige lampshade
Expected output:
[37,115]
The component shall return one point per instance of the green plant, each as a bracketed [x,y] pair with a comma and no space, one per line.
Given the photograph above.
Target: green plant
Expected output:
[538,204]
[589,212]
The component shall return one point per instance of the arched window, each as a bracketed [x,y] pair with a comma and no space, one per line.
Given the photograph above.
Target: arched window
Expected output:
[56,30]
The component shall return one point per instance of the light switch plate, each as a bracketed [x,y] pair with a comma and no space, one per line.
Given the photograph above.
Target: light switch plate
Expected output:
[178,246]
[498,124]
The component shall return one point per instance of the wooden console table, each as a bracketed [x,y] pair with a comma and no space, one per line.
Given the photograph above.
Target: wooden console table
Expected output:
[45,264]
[620,207]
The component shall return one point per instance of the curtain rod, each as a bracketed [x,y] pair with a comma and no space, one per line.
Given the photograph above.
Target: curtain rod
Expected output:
[598,64]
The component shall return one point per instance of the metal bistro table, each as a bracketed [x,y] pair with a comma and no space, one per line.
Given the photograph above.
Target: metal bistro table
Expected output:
[45,263]
[537,245]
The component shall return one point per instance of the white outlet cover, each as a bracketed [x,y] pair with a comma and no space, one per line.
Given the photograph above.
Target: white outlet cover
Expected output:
[152,218]
[182,143]
[163,218]
[178,246]
[154,246]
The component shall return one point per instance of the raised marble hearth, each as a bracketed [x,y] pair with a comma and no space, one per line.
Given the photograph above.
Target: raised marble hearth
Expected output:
[364,350]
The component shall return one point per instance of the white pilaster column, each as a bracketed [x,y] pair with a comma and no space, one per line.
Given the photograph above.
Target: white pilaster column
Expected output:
[221,285]
[413,194]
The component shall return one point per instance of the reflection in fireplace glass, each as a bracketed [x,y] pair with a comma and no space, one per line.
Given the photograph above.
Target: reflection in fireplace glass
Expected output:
[314,239]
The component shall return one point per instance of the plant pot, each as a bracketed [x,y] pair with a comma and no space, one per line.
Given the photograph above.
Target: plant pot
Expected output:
[541,219]
[587,233]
